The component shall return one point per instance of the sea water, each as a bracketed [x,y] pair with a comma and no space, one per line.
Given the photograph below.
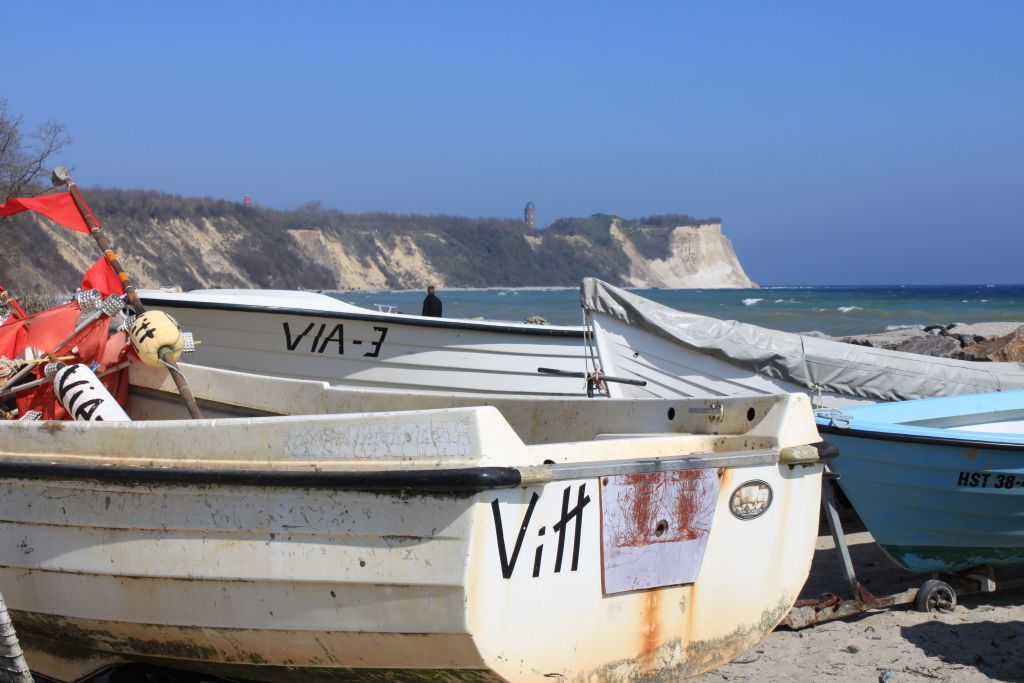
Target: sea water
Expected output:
[836,310]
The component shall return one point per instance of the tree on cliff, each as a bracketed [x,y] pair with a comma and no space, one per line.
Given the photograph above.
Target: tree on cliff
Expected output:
[24,156]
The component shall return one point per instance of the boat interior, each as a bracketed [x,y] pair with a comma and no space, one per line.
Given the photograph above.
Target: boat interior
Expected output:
[259,423]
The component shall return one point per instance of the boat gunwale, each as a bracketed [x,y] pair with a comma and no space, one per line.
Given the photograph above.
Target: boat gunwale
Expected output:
[453,480]
[394,319]
[883,431]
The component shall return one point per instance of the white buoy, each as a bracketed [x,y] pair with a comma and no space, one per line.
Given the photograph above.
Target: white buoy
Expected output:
[85,398]
[154,333]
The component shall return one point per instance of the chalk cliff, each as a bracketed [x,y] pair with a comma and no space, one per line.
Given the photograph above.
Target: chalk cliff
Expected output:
[168,240]
[700,257]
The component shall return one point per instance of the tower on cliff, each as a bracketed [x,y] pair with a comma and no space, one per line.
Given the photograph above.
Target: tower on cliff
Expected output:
[530,216]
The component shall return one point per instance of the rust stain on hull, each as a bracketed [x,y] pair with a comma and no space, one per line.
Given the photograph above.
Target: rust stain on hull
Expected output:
[651,629]
[677,659]
[651,491]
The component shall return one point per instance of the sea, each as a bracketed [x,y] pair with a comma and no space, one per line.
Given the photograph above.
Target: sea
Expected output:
[832,310]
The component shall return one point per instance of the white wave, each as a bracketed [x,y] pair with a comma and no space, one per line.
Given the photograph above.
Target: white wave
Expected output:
[893,328]
[847,309]
[751,302]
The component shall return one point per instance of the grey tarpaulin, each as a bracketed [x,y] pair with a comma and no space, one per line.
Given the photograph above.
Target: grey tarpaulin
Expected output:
[835,367]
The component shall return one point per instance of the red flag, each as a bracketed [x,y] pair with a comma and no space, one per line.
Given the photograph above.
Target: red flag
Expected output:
[59,208]
[101,276]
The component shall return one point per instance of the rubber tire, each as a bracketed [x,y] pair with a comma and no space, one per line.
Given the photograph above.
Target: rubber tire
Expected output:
[932,593]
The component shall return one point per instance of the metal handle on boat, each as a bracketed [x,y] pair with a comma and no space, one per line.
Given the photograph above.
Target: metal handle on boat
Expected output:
[714,410]
[583,375]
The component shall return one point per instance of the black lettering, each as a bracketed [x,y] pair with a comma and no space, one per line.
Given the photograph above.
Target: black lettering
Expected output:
[376,344]
[537,554]
[962,479]
[288,336]
[65,386]
[1011,481]
[507,565]
[975,479]
[1000,481]
[581,502]
[85,411]
[985,478]
[143,332]
[339,329]
[70,402]
[567,515]
[316,340]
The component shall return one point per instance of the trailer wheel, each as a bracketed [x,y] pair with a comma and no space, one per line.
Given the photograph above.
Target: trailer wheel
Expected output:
[935,596]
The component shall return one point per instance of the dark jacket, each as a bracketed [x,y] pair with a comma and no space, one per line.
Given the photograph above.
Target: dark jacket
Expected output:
[432,306]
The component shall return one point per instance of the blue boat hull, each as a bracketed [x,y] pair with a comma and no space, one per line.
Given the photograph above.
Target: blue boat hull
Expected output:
[936,500]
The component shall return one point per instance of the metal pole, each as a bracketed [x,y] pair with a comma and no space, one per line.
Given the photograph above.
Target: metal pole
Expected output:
[828,501]
[62,177]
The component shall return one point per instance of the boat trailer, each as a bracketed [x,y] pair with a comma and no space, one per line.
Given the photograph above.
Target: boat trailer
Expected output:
[937,594]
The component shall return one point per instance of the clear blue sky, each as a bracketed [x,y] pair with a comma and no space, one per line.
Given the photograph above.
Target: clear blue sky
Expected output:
[841,143]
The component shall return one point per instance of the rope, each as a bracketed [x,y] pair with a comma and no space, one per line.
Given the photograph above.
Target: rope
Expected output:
[593,380]
[171,368]
[9,367]
[836,418]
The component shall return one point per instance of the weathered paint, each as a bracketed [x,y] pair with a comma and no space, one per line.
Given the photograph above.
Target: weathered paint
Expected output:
[751,573]
[655,527]
[298,584]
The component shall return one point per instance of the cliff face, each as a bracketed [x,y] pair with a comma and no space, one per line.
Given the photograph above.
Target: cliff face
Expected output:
[700,257]
[164,240]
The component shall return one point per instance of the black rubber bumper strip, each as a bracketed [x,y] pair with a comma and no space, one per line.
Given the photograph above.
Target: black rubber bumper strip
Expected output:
[465,480]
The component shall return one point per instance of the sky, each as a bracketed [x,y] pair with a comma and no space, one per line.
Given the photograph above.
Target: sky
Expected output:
[840,143]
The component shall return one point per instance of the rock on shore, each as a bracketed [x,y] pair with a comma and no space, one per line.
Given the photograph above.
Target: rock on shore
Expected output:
[1000,341]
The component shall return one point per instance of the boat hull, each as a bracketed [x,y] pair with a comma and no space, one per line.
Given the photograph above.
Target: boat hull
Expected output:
[938,493]
[378,349]
[301,583]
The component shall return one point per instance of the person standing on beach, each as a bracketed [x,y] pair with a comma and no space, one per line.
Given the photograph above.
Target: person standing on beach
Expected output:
[431,304]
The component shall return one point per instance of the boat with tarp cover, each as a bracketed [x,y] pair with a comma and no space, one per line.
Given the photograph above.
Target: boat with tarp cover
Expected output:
[685,354]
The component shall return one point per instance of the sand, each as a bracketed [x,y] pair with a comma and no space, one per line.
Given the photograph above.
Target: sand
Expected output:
[981,640]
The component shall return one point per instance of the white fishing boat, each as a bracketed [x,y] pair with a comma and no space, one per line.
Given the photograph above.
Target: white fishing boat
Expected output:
[684,354]
[293,534]
[305,335]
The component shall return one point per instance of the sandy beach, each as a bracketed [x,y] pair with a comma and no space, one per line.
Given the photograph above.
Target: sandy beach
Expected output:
[981,640]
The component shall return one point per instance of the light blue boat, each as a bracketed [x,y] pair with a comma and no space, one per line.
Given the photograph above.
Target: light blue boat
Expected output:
[939,482]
